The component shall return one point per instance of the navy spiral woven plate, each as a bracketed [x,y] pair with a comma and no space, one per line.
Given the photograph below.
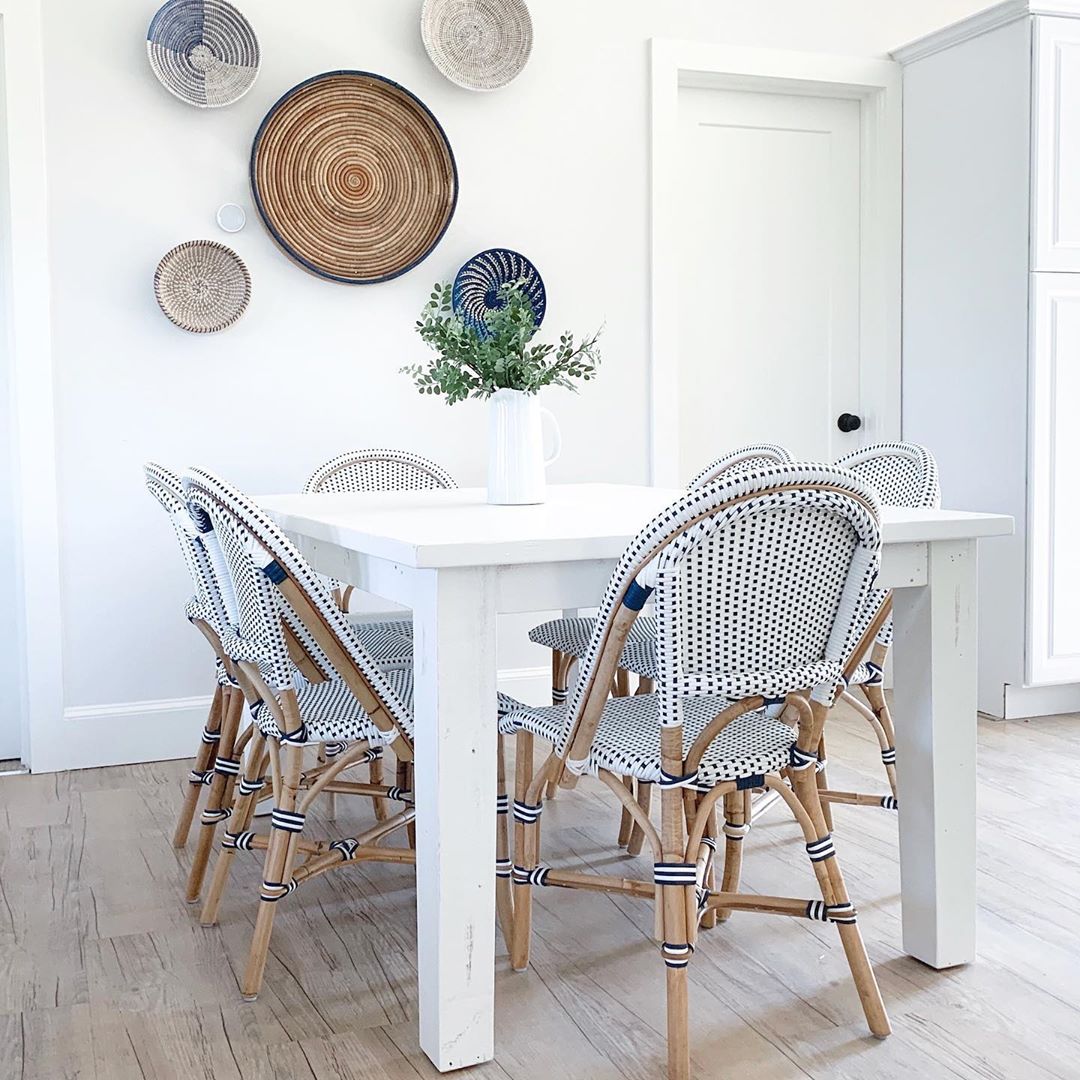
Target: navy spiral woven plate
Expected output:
[476,287]
[203,51]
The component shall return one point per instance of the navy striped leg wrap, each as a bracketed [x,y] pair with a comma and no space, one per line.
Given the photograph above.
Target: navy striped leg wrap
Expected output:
[400,794]
[299,737]
[212,817]
[822,849]
[210,737]
[888,755]
[536,876]
[676,956]
[227,766]
[673,873]
[558,695]
[819,911]
[736,832]
[241,841]
[201,778]
[250,787]
[669,780]
[286,820]
[504,868]
[888,802]
[502,804]
[347,847]
[876,674]
[273,891]
[800,759]
[526,814]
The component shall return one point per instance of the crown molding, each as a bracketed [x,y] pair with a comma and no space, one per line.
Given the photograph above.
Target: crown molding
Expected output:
[982,22]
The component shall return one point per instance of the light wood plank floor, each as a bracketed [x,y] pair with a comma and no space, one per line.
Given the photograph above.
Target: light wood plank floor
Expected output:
[104,972]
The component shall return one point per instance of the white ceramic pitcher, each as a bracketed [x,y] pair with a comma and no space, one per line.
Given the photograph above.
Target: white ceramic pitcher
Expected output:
[516,460]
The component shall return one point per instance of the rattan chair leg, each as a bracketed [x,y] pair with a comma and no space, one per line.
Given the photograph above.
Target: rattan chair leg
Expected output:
[375,776]
[821,776]
[504,889]
[637,835]
[561,663]
[875,697]
[626,822]
[218,805]
[204,761]
[243,813]
[711,916]
[736,822]
[330,809]
[404,781]
[526,853]
[277,874]
[834,892]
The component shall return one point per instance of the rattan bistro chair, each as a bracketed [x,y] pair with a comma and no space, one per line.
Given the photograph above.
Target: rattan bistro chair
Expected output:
[377,469]
[568,638]
[275,586]
[211,610]
[761,584]
[901,474]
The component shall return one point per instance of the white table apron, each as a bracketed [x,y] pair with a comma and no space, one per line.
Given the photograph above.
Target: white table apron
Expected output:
[929,558]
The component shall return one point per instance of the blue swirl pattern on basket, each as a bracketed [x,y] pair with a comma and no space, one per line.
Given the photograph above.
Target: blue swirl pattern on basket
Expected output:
[203,52]
[476,288]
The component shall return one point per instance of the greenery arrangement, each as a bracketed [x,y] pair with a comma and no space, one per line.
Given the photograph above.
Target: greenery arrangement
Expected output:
[469,363]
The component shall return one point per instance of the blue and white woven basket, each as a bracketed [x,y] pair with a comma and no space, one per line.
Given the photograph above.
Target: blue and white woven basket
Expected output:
[476,287]
[203,51]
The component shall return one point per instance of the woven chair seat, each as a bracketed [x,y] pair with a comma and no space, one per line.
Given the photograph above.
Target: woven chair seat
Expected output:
[627,740]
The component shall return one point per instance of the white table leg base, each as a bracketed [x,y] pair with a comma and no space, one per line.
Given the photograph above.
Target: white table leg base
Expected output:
[936,728]
[454,629]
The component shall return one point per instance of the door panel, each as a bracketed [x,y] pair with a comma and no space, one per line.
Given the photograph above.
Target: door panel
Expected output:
[1054,518]
[769,274]
[1056,192]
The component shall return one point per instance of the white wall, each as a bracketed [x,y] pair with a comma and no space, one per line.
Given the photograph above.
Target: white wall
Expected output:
[556,165]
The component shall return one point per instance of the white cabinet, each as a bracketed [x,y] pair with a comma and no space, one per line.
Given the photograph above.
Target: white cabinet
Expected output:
[991,312]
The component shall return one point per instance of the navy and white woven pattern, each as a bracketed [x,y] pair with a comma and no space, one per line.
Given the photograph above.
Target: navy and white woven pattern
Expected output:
[746,457]
[759,579]
[627,742]
[902,474]
[256,549]
[476,288]
[571,636]
[203,51]
[379,470]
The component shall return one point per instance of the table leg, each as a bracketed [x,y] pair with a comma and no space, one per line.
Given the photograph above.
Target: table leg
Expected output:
[935,715]
[455,672]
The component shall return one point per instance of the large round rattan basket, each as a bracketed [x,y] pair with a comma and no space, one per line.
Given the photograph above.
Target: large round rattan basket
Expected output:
[477,44]
[202,286]
[354,177]
[203,51]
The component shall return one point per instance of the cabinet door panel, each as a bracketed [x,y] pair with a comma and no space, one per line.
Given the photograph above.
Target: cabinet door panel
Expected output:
[1054,484]
[1056,114]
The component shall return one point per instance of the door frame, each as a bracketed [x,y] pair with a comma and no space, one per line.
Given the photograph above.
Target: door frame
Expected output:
[877,85]
[28,350]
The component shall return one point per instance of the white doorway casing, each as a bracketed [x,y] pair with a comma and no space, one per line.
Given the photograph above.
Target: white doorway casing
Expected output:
[27,350]
[771,102]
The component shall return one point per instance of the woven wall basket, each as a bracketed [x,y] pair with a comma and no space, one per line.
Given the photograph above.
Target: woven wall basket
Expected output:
[354,177]
[477,44]
[203,51]
[202,286]
[476,287]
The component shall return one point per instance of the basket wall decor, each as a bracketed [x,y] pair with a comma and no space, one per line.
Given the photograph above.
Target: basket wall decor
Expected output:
[476,288]
[202,286]
[477,44]
[354,177]
[203,51]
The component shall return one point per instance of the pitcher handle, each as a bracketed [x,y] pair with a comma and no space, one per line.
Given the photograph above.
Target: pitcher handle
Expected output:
[556,431]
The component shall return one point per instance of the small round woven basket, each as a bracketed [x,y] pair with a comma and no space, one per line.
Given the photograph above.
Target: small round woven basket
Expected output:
[477,44]
[203,51]
[354,177]
[476,288]
[202,286]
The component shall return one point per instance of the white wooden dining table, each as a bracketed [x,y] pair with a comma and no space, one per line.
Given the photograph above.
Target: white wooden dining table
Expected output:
[458,563]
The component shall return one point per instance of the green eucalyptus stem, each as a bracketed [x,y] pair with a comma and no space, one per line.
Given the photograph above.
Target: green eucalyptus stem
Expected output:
[468,363]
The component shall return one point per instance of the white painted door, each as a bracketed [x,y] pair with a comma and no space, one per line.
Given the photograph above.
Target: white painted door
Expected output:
[1053,646]
[769,273]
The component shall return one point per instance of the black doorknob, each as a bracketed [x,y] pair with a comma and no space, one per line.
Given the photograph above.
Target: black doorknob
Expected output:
[848,422]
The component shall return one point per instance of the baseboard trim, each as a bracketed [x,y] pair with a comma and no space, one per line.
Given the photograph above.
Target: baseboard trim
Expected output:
[131,732]
[1027,702]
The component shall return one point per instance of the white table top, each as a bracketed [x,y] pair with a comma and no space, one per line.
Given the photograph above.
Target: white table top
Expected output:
[579,521]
